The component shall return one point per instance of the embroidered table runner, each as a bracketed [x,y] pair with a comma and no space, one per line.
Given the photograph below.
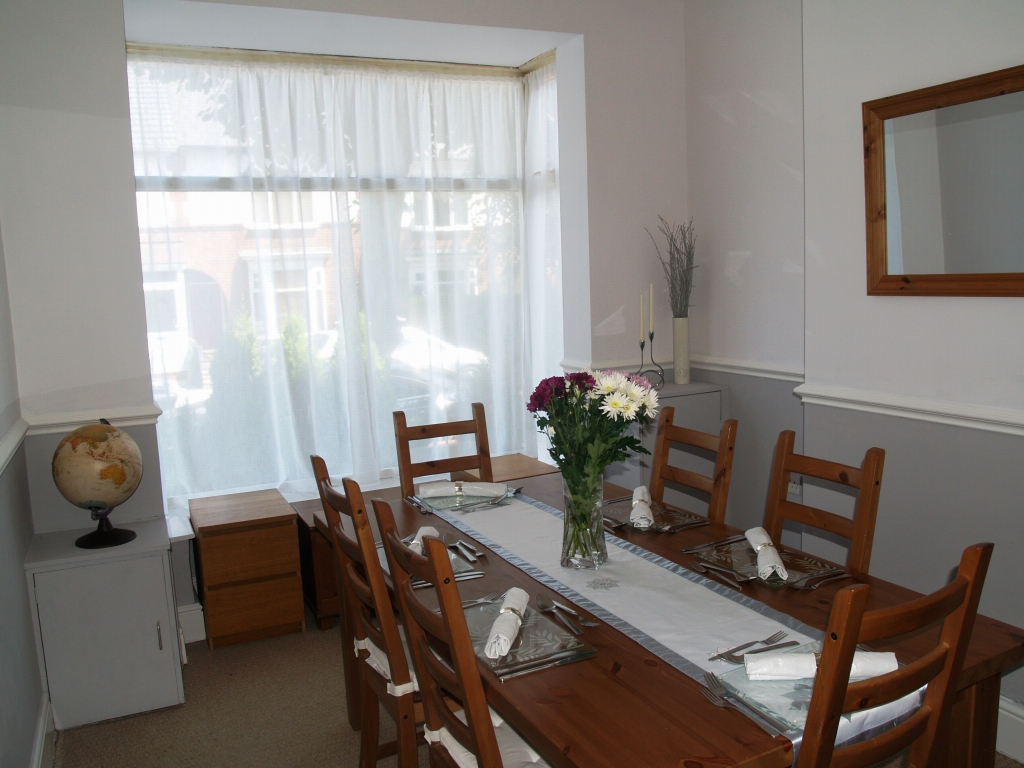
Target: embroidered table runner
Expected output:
[676,614]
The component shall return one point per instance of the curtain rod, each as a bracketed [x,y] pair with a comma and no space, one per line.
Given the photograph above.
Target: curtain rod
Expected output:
[245,54]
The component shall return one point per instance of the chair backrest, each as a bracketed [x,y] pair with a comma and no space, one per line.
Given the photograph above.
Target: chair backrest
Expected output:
[722,445]
[404,434]
[434,637]
[956,605]
[365,591]
[867,479]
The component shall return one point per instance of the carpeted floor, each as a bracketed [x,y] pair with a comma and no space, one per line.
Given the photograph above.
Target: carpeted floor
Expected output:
[274,703]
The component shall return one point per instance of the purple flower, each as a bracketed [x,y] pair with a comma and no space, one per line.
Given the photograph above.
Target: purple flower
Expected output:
[643,381]
[545,391]
[583,380]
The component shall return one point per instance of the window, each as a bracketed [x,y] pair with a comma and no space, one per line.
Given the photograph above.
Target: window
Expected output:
[324,243]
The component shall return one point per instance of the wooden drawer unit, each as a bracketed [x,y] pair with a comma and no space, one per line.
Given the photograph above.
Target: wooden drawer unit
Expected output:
[247,561]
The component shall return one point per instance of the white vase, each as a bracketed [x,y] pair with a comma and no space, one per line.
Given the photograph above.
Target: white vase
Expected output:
[681,350]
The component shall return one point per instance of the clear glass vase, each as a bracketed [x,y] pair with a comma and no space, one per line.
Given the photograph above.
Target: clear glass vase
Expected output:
[583,543]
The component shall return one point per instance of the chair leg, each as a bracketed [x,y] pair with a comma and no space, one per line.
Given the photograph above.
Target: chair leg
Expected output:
[371,723]
[406,722]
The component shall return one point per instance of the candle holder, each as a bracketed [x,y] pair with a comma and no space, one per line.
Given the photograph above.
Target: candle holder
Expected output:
[655,375]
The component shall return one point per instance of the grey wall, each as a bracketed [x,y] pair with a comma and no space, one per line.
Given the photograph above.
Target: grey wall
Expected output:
[943,489]
[763,407]
[916,152]
[52,512]
[20,688]
[19,671]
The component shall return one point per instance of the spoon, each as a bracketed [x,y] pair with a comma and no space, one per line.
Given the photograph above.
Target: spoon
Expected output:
[547,605]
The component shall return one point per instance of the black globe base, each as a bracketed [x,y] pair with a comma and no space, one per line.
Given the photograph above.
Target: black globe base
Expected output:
[105,535]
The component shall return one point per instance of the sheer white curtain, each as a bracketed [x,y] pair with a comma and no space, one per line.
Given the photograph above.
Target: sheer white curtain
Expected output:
[324,244]
[543,231]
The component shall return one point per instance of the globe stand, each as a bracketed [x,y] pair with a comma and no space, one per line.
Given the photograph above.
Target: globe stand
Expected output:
[105,535]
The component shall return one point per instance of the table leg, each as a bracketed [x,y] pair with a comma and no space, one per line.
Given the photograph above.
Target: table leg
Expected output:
[975,716]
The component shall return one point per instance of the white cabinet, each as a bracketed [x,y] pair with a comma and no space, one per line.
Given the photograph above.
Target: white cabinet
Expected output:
[105,624]
[697,406]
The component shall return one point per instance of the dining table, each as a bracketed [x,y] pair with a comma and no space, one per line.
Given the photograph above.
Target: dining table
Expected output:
[631,705]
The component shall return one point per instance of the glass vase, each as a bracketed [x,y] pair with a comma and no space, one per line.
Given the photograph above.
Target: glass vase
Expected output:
[583,543]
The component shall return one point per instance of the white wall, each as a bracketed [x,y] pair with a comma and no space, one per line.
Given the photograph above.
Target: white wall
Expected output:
[959,350]
[67,199]
[745,172]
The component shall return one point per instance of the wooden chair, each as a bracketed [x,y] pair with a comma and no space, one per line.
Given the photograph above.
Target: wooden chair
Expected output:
[346,612]
[722,445]
[956,605]
[481,460]
[443,655]
[383,672]
[868,480]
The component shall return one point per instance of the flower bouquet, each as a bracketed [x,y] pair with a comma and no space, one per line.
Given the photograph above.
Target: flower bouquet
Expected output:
[585,416]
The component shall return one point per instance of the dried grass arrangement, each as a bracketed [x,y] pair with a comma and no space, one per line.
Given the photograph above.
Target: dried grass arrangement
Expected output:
[678,265]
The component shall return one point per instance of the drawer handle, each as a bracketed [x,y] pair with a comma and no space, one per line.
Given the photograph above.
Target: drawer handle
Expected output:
[159,636]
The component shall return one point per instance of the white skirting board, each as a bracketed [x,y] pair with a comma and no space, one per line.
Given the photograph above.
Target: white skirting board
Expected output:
[42,751]
[190,619]
[1010,737]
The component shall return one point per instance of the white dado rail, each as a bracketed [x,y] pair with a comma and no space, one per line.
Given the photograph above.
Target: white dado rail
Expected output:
[127,416]
[1006,420]
[722,364]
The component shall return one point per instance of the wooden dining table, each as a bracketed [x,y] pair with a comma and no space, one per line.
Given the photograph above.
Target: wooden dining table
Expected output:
[627,707]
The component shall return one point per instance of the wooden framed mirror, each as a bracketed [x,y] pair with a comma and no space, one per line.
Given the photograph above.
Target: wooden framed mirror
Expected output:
[944,189]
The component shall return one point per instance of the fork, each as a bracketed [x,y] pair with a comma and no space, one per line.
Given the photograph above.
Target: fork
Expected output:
[767,641]
[485,599]
[765,725]
[738,659]
[717,688]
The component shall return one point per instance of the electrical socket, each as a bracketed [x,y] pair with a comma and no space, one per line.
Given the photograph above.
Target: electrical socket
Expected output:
[796,487]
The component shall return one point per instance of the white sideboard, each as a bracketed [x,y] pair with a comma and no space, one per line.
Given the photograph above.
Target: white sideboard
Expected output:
[105,624]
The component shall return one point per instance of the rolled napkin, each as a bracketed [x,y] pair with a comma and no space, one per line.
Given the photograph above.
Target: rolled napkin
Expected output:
[641,515]
[797,666]
[444,488]
[768,560]
[506,626]
[416,545]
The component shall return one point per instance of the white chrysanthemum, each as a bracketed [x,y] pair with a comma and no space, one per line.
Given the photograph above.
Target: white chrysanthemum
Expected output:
[618,377]
[614,404]
[605,385]
[651,401]
[630,409]
[636,392]
[550,431]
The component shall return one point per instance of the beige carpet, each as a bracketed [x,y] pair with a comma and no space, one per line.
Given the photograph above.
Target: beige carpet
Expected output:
[273,703]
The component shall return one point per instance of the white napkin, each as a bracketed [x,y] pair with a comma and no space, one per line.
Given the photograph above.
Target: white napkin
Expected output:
[444,488]
[416,545]
[506,626]
[641,515]
[768,560]
[797,666]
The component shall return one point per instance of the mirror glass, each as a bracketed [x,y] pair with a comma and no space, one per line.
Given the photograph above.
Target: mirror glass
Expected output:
[954,189]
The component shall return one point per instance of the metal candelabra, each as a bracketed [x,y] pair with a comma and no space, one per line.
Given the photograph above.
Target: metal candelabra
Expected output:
[655,375]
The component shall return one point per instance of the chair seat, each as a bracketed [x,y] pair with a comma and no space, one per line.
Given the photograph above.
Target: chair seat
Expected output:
[377,660]
[515,752]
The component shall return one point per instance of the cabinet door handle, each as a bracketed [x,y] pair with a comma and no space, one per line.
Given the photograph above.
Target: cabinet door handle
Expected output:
[159,636]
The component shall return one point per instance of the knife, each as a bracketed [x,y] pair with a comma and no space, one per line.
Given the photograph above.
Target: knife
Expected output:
[467,576]
[730,540]
[548,662]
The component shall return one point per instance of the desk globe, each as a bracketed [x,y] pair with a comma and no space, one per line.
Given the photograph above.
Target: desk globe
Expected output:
[97,467]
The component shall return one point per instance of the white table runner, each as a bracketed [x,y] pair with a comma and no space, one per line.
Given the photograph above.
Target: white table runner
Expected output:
[678,615]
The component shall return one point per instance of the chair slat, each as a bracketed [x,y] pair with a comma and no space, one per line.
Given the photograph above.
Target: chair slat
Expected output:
[446,429]
[888,622]
[692,437]
[818,518]
[889,743]
[691,479]
[825,470]
[454,464]
[876,691]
